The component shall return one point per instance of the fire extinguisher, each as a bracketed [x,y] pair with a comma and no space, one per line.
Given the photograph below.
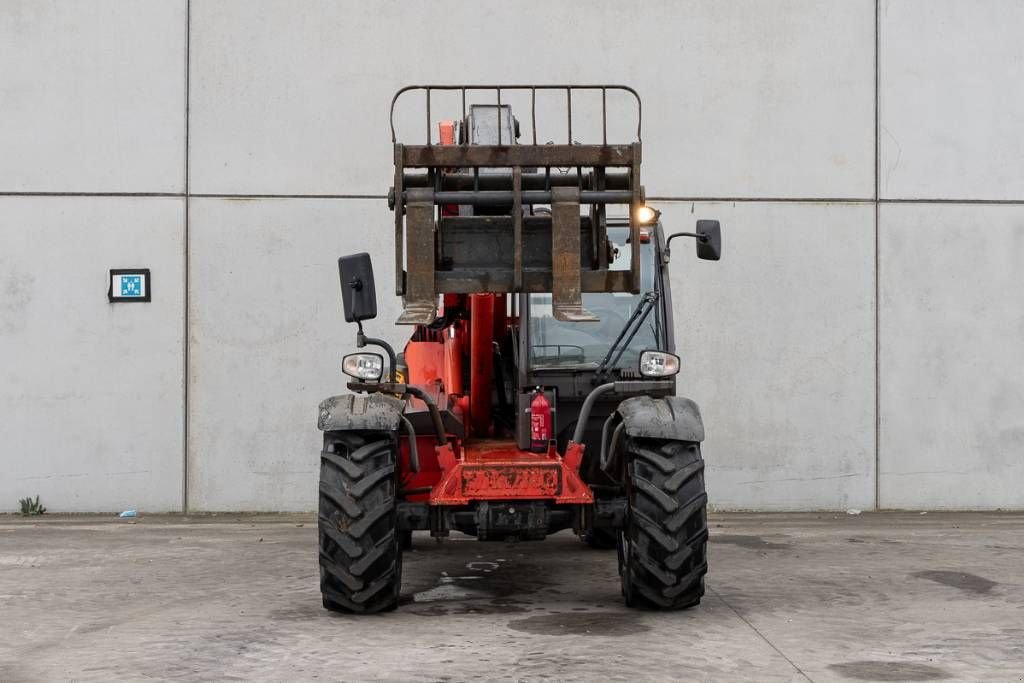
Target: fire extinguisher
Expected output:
[540,422]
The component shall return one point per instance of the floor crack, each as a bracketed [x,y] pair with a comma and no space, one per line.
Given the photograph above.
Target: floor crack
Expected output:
[763,637]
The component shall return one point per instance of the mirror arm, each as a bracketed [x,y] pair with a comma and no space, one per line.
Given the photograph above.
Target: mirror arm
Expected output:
[702,236]
[362,341]
[667,253]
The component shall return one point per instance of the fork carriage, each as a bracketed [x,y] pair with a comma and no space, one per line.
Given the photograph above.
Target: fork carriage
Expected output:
[498,182]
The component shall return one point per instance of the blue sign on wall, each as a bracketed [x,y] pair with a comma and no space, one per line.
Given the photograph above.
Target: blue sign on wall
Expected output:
[129,284]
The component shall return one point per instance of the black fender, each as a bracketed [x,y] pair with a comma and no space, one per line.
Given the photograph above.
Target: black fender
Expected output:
[359,412]
[671,417]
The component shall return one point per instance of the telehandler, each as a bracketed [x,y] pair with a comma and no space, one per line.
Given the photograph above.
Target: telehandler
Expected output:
[537,392]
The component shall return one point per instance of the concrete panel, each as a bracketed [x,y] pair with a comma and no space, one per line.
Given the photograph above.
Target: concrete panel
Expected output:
[267,338]
[93,96]
[741,98]
[951,104]
[90,392]
[951,331]
[777,347]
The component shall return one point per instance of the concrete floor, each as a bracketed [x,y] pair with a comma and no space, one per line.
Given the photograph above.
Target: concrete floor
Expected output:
[875,597]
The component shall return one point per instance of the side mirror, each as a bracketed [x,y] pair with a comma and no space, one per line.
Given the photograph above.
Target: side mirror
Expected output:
[709,240]
[358,295]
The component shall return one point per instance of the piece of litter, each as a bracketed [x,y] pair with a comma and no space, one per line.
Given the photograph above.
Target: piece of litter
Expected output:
[129,513]
[853,511]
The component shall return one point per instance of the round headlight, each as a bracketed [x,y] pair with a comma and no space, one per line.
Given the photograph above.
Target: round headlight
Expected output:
[363,365]
[658,364]
[645,215]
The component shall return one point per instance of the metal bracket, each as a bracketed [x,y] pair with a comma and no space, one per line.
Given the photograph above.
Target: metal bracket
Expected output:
[398,191]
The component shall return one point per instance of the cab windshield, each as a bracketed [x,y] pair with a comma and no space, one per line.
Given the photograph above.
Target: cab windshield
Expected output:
[555,344]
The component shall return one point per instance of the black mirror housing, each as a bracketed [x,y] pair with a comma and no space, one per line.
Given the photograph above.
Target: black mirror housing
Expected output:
[358,296]
[709,240]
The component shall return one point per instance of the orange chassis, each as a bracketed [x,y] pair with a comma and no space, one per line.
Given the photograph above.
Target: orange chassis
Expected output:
[478,467]
[499,470]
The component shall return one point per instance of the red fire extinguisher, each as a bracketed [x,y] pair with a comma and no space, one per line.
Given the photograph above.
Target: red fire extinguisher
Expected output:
[540,422]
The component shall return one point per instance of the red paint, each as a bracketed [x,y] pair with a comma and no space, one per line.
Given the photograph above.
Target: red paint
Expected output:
[481,361]
[500,316]
[426,362]
[446,132]
[446,136]
[497,481]
[573,455]
[417,486]
[461,408]
[540,422]
[453,359]
[498,470]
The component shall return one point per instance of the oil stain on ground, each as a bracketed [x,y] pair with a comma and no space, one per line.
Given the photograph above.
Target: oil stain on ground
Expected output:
[750,542]
[477,587]
[878,670]
[580,623]
[442,609]
[969,583]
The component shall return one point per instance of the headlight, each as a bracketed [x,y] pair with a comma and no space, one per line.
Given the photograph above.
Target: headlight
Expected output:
[646,215]
[658,364]
[363,365]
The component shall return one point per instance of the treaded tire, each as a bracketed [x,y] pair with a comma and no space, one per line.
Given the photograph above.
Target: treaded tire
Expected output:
[360,553]
[663,546]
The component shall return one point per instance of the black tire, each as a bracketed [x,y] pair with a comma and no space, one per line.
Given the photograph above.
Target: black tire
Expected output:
[360,553]
[663,546]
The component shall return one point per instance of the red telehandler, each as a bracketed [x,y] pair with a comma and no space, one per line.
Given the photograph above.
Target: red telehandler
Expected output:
[537,390]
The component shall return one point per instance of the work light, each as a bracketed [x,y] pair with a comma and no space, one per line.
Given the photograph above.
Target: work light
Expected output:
[368,366]
[658,364]
[646,215]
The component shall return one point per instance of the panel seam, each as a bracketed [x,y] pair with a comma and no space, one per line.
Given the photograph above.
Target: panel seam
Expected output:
[878,346]
[186,323]
[663,198]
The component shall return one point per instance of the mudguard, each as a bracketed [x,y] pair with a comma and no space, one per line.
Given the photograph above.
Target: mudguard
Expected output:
[671,417]
[370,412]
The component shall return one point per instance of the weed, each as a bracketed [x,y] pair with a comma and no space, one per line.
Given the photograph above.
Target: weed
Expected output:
[31,507]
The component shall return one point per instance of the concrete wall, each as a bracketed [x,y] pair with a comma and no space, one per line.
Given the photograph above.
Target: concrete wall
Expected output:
[858,346]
